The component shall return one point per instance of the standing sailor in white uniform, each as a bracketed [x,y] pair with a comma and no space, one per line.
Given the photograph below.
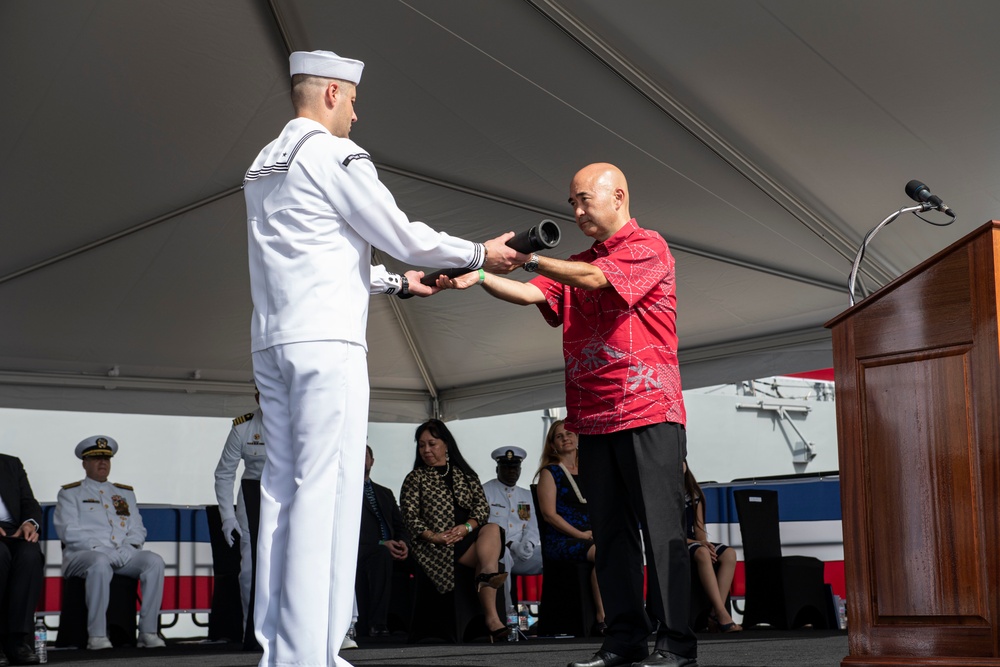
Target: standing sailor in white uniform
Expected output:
[100,526]
[245,443]
[512,509]
[315,209]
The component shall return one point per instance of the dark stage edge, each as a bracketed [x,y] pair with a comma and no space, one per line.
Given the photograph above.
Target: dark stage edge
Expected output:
[751,648]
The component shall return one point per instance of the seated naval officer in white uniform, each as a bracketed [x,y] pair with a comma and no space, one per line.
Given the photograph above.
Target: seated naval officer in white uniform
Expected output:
[512,509]
[315,210]
[245,443]
[100,526]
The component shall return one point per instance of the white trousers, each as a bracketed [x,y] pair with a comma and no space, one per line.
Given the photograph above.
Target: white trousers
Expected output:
[97,571]
[514,565]
[314,400]
[246,553]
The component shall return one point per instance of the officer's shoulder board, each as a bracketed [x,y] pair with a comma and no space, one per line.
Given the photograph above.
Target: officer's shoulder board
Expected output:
[245,418]
[123,486]
[72,485]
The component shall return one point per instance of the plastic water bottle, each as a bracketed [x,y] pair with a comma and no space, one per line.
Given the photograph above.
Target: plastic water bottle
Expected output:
[522,617]
[842,613]
[512,621]
[41,637]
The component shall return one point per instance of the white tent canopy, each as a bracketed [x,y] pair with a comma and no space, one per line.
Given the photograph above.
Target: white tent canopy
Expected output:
[762,139]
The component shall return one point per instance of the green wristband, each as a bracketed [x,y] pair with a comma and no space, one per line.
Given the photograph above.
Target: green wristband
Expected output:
[482,277]
[468,526]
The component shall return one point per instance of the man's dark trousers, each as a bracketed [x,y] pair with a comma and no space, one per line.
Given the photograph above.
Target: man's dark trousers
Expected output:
[372,581]
[21,571]
[632,478]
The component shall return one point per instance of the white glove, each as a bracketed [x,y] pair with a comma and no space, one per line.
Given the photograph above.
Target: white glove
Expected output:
[120,555]
[228,526]
[109,552]
[523,550]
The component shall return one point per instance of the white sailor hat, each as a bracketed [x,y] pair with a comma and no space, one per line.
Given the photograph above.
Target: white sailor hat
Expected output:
[509,455]
[326,64]
[97,445]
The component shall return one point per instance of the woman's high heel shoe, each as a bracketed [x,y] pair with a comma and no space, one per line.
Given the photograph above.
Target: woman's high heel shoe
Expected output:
[500,634]
[491,579]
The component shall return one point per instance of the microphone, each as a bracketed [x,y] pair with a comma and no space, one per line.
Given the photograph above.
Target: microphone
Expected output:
[921,194]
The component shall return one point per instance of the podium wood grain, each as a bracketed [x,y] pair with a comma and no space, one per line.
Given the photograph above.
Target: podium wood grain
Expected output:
[917,369]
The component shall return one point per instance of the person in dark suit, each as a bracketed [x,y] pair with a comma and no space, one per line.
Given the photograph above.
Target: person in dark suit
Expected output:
[383,542]
[21,562]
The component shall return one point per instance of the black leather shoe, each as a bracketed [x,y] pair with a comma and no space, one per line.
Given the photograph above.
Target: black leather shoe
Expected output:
[23,655]
[3,659]
[661,658]
[604,659]
[380,631]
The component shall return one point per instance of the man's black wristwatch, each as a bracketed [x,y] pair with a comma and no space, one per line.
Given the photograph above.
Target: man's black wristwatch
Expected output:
[404,290]
[532,264]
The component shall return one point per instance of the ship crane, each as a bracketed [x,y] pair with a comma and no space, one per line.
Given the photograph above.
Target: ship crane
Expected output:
[806,452]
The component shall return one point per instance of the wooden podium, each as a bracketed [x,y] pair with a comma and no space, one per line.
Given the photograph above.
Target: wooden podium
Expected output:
[918,416]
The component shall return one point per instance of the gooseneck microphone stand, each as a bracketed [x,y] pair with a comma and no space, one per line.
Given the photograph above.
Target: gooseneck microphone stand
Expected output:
[926,206]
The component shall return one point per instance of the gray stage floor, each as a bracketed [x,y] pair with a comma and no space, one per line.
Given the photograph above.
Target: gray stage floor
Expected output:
[757,648]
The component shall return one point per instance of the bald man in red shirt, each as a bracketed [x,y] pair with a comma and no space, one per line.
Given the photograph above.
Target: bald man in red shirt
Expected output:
[616,304]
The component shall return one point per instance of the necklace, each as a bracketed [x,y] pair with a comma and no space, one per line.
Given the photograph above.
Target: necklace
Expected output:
[447,469]
[572,483]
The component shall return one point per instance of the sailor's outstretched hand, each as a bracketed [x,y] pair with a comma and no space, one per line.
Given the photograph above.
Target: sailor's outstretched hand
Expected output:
[500,257]
[416,287]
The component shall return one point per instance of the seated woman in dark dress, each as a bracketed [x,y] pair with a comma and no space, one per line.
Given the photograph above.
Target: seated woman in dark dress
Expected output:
[716,562]
[446,512]
[562,506]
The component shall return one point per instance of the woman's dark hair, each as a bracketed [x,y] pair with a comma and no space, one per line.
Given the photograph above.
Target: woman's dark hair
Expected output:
[693,489]
[437,429]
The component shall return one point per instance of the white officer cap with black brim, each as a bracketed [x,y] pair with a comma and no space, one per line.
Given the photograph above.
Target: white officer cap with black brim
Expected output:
[326,64]
[509,455]
[97,446]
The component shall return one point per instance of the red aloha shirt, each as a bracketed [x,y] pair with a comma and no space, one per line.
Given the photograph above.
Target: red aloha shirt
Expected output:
[620,343]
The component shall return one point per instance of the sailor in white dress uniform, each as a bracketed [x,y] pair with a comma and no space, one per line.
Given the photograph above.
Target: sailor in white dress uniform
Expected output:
[315,209]
[511,508]
[245,443]
[100,525]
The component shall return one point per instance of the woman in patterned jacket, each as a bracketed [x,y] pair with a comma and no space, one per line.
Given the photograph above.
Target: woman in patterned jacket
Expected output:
[446,512]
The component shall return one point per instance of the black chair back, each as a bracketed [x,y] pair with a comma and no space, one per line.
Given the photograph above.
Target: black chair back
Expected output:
[543,525]
[782,591]
[226,618]
[758,515]
[225,558]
